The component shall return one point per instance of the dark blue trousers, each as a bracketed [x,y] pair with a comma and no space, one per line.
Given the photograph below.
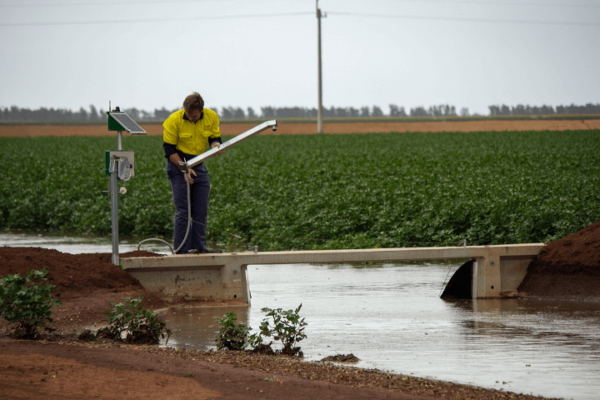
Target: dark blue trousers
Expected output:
[199,192]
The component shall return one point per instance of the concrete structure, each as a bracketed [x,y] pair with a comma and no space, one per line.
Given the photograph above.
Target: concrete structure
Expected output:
[498,270]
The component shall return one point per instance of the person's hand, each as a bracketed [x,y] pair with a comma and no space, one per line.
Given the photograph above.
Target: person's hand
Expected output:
[189,175]
[217,144]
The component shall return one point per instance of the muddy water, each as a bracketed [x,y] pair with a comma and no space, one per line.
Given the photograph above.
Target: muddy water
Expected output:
[391,318]
[76,244]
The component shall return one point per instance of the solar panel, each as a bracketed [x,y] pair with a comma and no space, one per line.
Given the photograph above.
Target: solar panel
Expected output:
[127,123]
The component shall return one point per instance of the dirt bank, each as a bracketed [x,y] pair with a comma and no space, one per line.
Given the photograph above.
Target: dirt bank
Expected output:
[85,283]
[49,370]
[567,268]
[308,128]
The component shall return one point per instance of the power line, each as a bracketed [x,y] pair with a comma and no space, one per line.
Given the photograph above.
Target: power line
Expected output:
[104,4]
[146,3]
[274,15]
[501,3]
[500,21]
[130,21]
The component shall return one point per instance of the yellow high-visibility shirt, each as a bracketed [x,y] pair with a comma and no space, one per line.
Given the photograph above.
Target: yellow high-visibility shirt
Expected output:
[189,137]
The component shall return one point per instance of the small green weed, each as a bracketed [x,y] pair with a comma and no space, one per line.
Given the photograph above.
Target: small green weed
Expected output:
[26,302]
[133,323]
[288,328]
[231,336]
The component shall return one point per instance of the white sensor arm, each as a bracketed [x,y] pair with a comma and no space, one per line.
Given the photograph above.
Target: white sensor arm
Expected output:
[232,142]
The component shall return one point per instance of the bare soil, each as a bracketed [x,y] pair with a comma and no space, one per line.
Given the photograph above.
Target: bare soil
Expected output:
[285,128]
[60,366]
[567,268]
[74,370]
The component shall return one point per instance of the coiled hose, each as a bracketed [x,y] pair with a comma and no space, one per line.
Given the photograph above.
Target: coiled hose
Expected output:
[187,231]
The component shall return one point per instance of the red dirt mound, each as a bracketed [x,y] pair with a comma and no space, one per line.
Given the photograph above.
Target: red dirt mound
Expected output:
[567,268]
[85,283]
[73,275]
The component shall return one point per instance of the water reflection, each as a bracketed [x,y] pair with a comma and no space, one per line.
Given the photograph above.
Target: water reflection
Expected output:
[526,321]
[195,328]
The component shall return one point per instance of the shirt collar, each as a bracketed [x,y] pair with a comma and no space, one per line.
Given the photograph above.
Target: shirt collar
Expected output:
[185,117]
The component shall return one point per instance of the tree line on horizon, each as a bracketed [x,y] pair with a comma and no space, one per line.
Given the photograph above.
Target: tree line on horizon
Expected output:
[544,110]
[16,114]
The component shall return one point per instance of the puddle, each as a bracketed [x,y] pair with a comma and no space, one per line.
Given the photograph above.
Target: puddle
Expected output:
[196,328]
[88,244]
[76,244]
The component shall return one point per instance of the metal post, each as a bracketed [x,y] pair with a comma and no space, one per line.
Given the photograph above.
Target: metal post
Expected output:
[114,202]
[114,207]
[320,110]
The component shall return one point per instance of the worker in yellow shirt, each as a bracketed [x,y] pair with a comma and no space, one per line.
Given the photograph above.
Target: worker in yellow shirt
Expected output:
[187,133]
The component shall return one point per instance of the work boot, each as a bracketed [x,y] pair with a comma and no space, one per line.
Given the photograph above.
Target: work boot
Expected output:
[207,251]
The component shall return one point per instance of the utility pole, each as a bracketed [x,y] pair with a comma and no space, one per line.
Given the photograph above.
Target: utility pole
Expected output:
[320,110]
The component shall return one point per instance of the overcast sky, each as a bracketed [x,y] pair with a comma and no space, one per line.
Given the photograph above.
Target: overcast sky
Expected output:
[470,53]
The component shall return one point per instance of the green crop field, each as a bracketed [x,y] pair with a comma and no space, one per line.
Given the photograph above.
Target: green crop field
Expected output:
[324,191]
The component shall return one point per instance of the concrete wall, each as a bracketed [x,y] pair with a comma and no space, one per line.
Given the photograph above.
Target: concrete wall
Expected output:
[497,270]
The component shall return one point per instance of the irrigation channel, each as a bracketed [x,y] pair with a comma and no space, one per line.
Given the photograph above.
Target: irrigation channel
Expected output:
[391,317]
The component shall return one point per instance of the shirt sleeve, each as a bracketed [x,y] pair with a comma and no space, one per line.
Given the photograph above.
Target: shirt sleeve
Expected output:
[211,140]
[215,131]
[170,133]
[170,149]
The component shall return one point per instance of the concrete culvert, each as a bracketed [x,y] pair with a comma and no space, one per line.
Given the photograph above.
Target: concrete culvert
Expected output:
[460,285]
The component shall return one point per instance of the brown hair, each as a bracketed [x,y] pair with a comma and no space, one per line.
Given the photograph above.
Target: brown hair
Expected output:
[193,102]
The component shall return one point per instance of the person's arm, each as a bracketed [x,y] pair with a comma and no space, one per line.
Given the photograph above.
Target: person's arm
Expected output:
[169,149]
[170,137]
[175,159]
[214,139]
[169,145]
[217,144]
